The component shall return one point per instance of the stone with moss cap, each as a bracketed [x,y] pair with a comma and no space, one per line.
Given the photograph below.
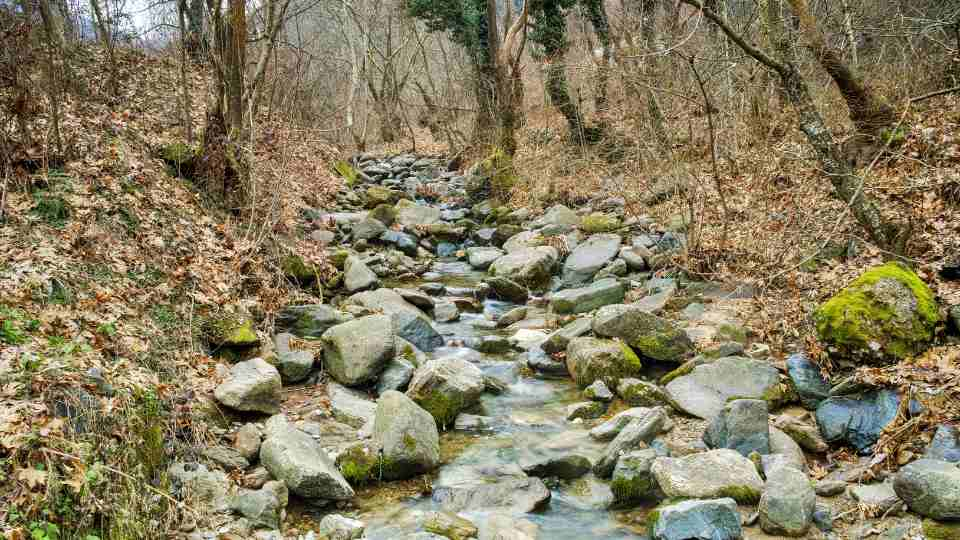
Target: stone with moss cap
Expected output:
[886,313]
[230,330]
[591,359]
[940,530]
[445,387]
[491,178]
[632,480]
[654,337]
[598,222]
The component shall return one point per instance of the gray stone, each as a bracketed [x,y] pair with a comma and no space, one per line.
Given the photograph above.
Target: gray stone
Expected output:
[857,420]
[716,519]
[641,429]
[247,441]
[632,479]
[446,311]
[349,406]
[445,387]
[655,303]
[293,365]
[508,491]
[449,525]
[586,410]
[355,352]
[513,316]
[783,446]
[226,457]
[564,467]
[253,385]
[650,335]
[310,321]
[409,322]
[481,258]
[403,241]
[557,215]
[589,257]
[807,380]
[635,257]
[507,289]
[877,498]
[704,391]
[263,507]
[640,393]
[945,445]
[805,434]
[559,340]
[337,527]
[717,473]
[368,229]
[530,267]
[829,488]
[612,427]
[419,299]
[597,294]
[598,391]
[396,376]
[592,359]
[742,425]
[410,214]
[407,436]
[522,240]
[788,503]
[196,482]
[930,488]
[297,460]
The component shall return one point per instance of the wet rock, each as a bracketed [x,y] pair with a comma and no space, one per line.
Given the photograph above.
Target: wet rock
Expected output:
[402,241]
[498,526]
[787,503]
[612,427]
[565,467]
[507,289]
[717,473]
[716,519]
[407,436]
[445,387]
[337,527]
[419,299]
[530,267]
[263,507]
[945,445]
[396,376]
[297,460]
[599,293]
[652,336]
[705,390]
[446,311]
[639,393]
[253,385]
[434,289]
[409,322]
[349,406]
[356,352]
[310,321]
[888,312]
[589,257]
[878,498]
[293,365]
[857,421]
[508,490]
[598,391]
[805,434]
[247,441]
[641,429]
[592,359]
[481,258]
[559,340]
[586,410]
[632,479]
[742,425]
[226,457]
[807,381]
[930,488]
[513,316]
[475,423]
[450,526]
[547,366]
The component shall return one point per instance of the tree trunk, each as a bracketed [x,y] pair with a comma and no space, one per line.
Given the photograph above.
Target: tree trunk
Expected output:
[185,105]
[195,38]
[55,68]
[106,38]
[601,26]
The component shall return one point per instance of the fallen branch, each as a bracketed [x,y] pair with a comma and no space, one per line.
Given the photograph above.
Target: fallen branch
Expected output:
[934,94]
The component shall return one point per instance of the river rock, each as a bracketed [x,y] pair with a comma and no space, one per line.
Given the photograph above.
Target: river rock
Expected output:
[247,441]
[635,257]
[445,387]
[197,482]
[410,214]
[807,380]
[781,445]
[641,429]
[530,267]
[640,393]
[652,336]
[368,229]
[263,507]
[519,240]
[599,293]
[559,340]
[805,434]
[612,427]
[450,526]
[297,460]
[504,489]
[481,258]
[396,376]
[253,385]
[293,365]
[886,313]
[742,425]
[226,457]
[945,445]
[716,519]
[500,526]
[586,410]
[417,298]
[349,406]
[513,316]
[632,480]
[356,352]
[717,473]
[557,215]
[592,359]
[358,276]
[705,390]
[507,289]
[337,527]
[407,436]
[310,321]
[857,421]
[877,498]
[589,257]
[404,242]
[409,322]
[598,391]
[564,467]
[930,488]
[787,503]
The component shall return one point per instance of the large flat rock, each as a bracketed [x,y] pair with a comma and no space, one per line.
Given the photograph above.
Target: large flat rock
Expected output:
[705,390]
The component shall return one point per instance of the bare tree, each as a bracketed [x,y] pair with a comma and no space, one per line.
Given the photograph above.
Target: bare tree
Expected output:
[105,33]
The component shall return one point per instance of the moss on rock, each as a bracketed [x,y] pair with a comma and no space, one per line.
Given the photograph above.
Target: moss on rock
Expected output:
[346,171]
[886,313]
[295,267]
[178,154]
[598,222]
[228,330]
[939,530]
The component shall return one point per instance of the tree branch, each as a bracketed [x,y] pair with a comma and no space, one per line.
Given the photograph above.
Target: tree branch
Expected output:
[757,54]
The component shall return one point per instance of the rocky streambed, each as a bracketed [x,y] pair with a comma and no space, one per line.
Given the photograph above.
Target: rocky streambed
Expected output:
[486,372]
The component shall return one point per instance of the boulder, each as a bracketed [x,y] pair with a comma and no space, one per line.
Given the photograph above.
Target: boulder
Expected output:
[247,441]
[632,480]
[564,467]
[293,365]
[445,387]
[559,340]
[509,491]
[263,507]
[402,241]
[507,289]
[591,359]
[705,390]
[945,445]
[557,215]
[742,425]
[368,229]
[807,380]
[635,257]
[642,429]
[886,313]
[349,406]
[522,240]
[586,410]
[418,298]
[226,457]
[356,352]
[640,393]
[589,257]
[612,427]
[196,482]
[337,527]
[377,195]
[481,258]
[878,498]
[531,267]
[857,421]
[598,222]
[396,376]
[406,436]
[410,214]
[297,460]
[716,519]
[599,293]
[450,526]
[717,473]
[930,488]
[253,385]
[652,336]
[787,503]
[805,434]
[384,213]
[310,321]
[357,276]
[409,322]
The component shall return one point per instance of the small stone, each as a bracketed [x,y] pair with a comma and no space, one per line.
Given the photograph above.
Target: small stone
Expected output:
[879,498]
[449,525]
[930,488]
[226,457]
[337,527]
[830,488]
[446,311]
[566,467]
[586,410]
[515,315]
[247,441]
[788,503]
[253,385]
[641,429]
[598,392]
[807,380]
[945,445]
[742,425]
[632,480]
[806,435]
[612,427]
[263,507]
[640,393]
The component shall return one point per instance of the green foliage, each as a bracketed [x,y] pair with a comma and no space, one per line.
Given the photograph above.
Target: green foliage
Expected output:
[14,326]
[51,208]
[347,171]
[465,20]
[550,25]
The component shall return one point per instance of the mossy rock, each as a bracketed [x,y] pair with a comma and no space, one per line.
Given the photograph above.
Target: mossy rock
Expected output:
[338,258]
[359,465]
[598,222]
[346,171]
[731,332]
[384,213]
[228,330]
[178,154]
[494,177]
[940,530]
[377,195]
[295,267]
[887,313]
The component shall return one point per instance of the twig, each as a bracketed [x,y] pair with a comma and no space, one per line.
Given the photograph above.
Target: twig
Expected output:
[934,94]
